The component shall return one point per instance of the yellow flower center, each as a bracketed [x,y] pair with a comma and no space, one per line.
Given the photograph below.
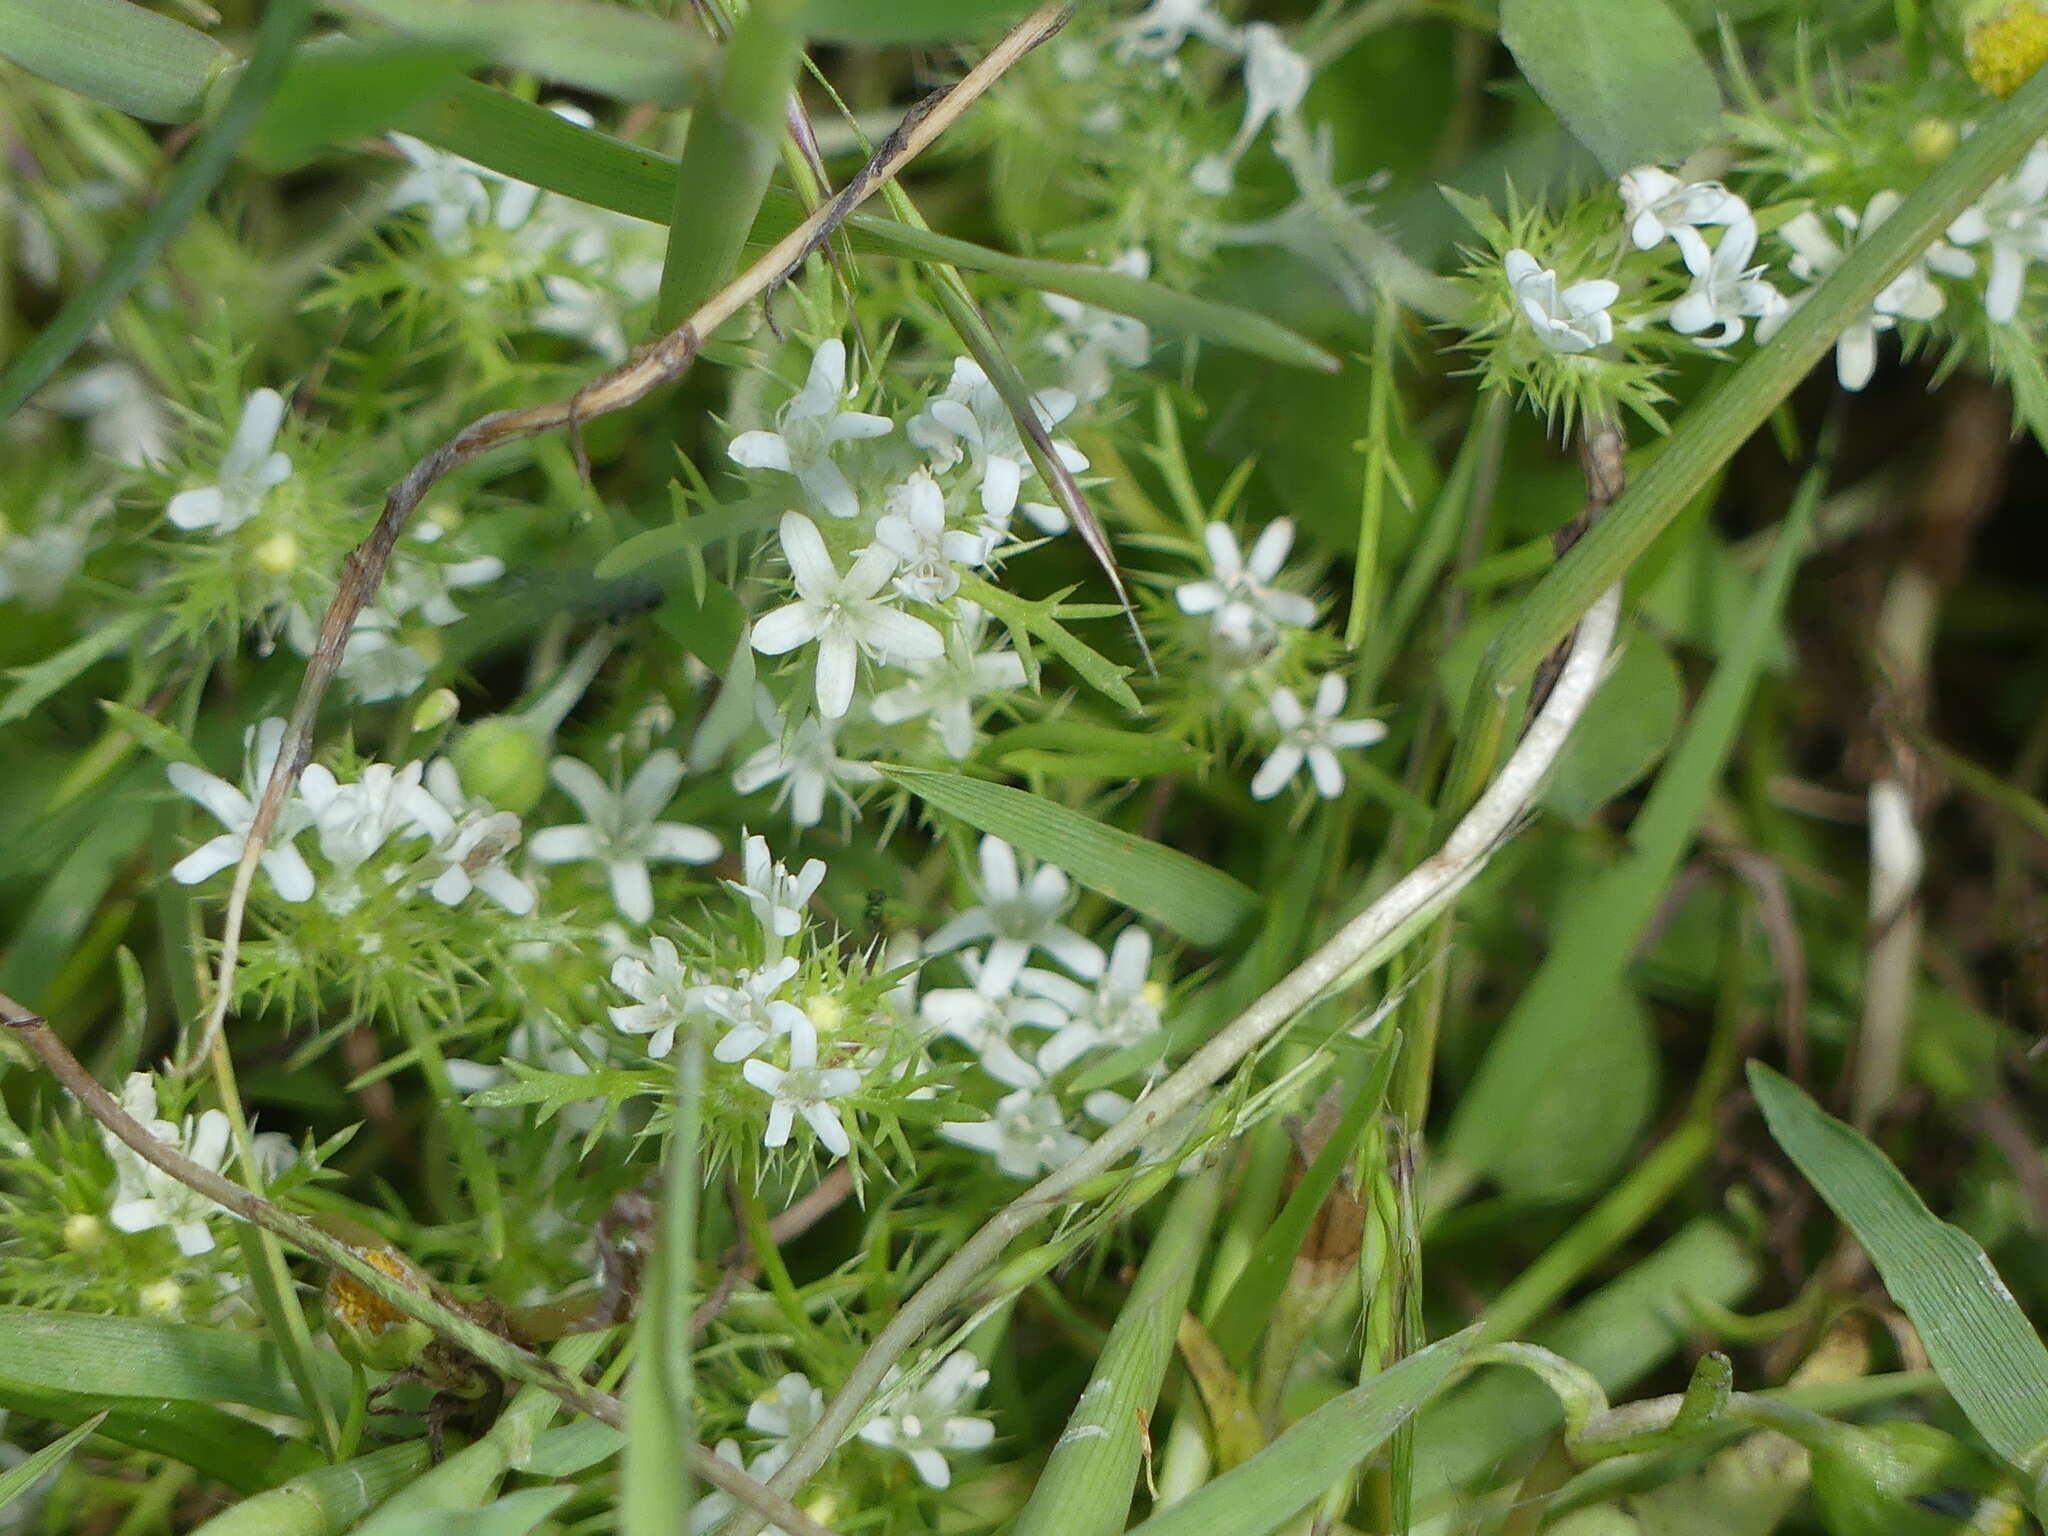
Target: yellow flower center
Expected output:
[2004,52]
[353,1305]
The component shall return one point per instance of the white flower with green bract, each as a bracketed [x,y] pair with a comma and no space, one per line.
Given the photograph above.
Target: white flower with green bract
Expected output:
[235,809]
[1016,915]
[1312,737]
[1569,320]
[804,1089]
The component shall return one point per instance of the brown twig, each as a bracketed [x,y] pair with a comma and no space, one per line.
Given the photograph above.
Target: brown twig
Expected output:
[661,363]
[437,1312]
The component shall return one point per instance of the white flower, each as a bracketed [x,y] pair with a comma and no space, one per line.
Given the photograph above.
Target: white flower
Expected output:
[1912,295]
[1122,1011]
[1275,81]
[289,873]
[807,763]
[971,412]
[804,1089]
[124,417]
[1656,204]
[923,1423]
[1161,28]
[247,471]
[914,531]
[843,614]
[662,994]
[1090,339]
[717,1506]
[984,1024]
[1017,918]
[472,856]
[583,312]
[144,1195]
[2010,217]
[36,566]
[1725,288]
[622,833]
[354,821]
[1314,738]
[753,1014]
[1575,320]
[1245,607]
[807,428]
[786,1411]
[1027,1135]
[947,690]
[451,189]
[777,897]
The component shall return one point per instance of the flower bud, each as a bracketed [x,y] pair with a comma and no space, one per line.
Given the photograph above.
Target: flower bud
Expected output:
[1933,140]
[84,1233]
[278,555]
[504,762]
[161,1298]
[424,641]
[366,1328]
[436,710]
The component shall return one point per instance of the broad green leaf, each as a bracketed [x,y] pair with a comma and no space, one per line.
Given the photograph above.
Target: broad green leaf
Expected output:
[609,50]
[128,58]
[1298,1468]
[1201,904]
[709,624]
[1600,1048]
[326,1500]
[17,1480]
[908,21]
[1085,1489]
[333,94]
[139,1357]
[530,143]
[1979,1342]
[1624,731]
[1624,75]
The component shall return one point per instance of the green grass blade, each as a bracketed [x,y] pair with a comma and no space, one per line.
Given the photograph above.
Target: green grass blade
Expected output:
[908,21]
[187,186]
[1299,1467]
[146,65]
[729,154]
[335,94]
[1086,1487]
[213,1442]
[105,1357]
[325,1501]
[1201,904]
[19,1479]
[609,50]
[1551,1021]
[519,139]
[1978,1340]
[515,1514]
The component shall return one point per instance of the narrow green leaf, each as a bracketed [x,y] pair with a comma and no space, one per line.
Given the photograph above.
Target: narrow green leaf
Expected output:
[1624,75]
[36,682]
[1299,1467]
[513,1515]
[119,54]
[908,21]
[519,139]
[18,1479]
[334,94]
[1201,904]
[610,50]
[213,1442]
[1078,748]
[1027,619]
[1085,1489]
[139,1357]
[153,736]
[183,190]
[325,1501]
[1978,1340]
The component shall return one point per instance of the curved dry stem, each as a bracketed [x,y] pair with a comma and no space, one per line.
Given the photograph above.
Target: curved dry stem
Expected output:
[1365,940]
[661,363]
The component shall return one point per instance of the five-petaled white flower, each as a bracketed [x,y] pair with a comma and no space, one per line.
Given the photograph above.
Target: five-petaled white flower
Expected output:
[970,411]
[947,690]
[1017,917]
[451,189]
[914,531]
[1090,339]
[1575,320]
[809,425]
[1246,609]
[622,833]
[805,760]
[924,1423]
[1314,738]
[1027,1135]
[473,855]
[144,1195]
[1912,295]
[1122,1011]
[2011,219]
[754,1015]
[786,1411]
[1161,28]
[804,1088]
[844,614]
[290,875]
[248,470]
[777,897]
[1275,81]
[1656,205]
[663,995]
[1725,288]
[984,1024]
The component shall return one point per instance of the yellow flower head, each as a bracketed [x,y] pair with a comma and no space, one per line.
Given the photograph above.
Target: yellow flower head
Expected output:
[2003,50]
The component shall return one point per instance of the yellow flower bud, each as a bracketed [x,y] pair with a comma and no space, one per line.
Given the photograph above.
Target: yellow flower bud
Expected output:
[161,1298]
[436,710]
[278,554]
[2004,44]
[1933,139]
[84,1233]
[825,1011]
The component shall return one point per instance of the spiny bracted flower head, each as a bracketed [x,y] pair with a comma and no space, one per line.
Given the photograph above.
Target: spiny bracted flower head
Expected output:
[803,1088]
